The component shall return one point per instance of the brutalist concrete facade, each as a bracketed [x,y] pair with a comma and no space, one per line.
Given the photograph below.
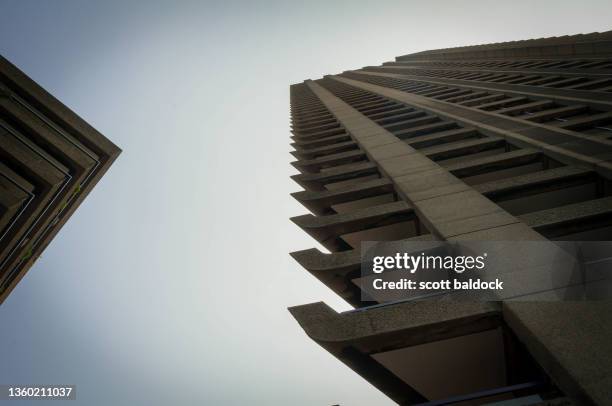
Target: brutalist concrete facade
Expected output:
[50,161]
[505,142]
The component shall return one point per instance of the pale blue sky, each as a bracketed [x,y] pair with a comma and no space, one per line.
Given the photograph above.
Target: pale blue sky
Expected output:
[170,284]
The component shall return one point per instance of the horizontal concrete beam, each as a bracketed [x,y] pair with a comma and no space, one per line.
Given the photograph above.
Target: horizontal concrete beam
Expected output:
[317,181]
[328,229]
[320,202]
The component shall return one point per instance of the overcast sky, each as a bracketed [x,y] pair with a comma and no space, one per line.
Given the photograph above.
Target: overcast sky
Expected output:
[170,283]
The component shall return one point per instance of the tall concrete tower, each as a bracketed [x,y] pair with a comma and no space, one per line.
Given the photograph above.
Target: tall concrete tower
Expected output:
[510,142]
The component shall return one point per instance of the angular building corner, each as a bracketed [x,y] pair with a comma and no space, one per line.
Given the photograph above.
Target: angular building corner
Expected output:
[508,142]
[50,161]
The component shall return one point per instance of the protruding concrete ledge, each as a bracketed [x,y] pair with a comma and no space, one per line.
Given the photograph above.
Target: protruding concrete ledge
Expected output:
[534,183]
[585,122]
[316,181]
[316,129]
[420,120]
[325,150]
[486,98]
[315,165]
[311,119]
[308,125]
[354,336]
[531,107]
[459,148]
[500,105]
[557,113]
[308,145]
[385,109]
[335,271]
[447,91]
[571,218]
[338,269]
[455,134]
[391,112]
[374,106]
[318,135]
[365,101]
[409,323]
[454,94]
[469,96]
[320,202]
[305,112]
[495,162]
[436,126]
[409,114]
[328,229]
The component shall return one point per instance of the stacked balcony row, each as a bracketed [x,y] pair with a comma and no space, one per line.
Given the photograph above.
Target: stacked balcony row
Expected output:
[589,65]
[558,79]
[523,181]
[350,200]
[592,119]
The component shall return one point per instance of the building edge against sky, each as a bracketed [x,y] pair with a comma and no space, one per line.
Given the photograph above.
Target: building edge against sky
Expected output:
[509,141]
[51,160]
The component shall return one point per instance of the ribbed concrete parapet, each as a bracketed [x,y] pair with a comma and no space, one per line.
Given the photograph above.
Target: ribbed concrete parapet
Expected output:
[51,159]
